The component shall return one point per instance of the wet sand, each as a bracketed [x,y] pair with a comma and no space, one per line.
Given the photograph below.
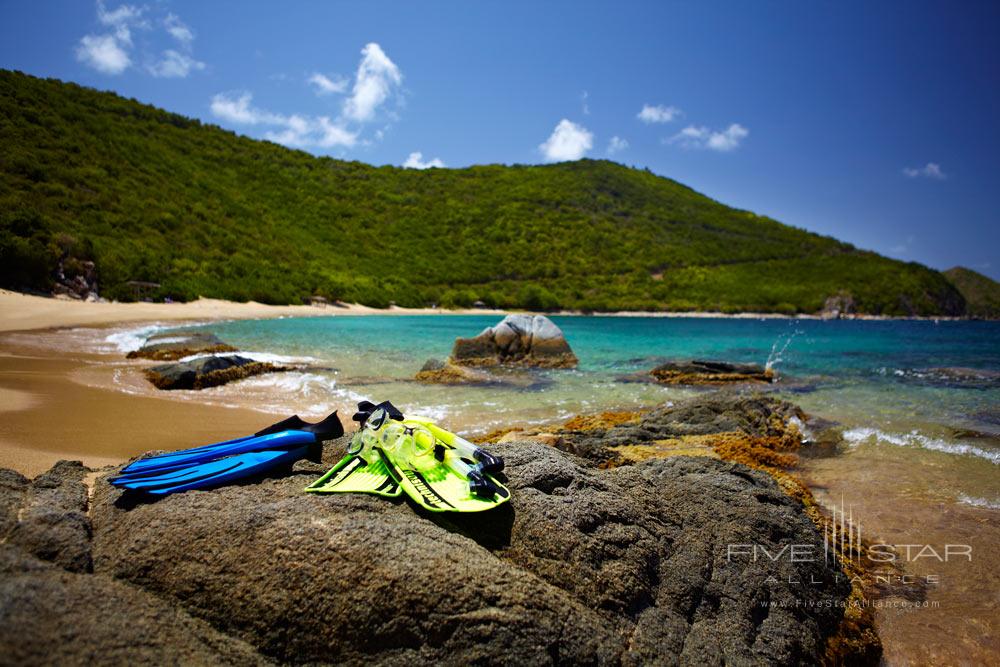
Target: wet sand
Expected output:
[45,416]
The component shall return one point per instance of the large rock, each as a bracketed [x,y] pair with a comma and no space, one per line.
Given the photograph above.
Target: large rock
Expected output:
[754,416]
[206,372]
[47,517]
[527,340]
[435,371]
[837,306]
[699,372]
[49,616]
[583,565]
[169,346]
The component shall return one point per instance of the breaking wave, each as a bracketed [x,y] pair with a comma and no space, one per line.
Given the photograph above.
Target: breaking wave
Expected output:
[856,436]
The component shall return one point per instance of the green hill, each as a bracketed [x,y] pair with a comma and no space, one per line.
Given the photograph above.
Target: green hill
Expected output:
[982,294]
[150,195]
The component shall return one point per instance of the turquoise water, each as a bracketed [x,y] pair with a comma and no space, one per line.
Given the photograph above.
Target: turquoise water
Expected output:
[888,375]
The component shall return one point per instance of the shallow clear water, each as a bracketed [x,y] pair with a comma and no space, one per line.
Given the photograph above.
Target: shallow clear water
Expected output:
[868,373]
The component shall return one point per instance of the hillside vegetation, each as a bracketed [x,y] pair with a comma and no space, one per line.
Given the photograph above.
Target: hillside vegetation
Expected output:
[981,293]
[150,195]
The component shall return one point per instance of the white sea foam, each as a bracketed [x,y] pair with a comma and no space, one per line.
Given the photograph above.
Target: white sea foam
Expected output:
[979,502]
[130,340]
[807,434]
[856,436]
[254,356]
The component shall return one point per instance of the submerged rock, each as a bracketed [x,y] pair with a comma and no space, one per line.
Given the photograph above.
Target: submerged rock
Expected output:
[699,372]
[526,340]
[207,372]
[168,346]
[435,371]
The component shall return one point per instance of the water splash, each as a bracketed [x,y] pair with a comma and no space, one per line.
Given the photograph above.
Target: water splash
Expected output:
[784,340]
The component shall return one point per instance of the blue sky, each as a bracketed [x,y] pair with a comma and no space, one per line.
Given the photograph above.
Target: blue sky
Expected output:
[876,123]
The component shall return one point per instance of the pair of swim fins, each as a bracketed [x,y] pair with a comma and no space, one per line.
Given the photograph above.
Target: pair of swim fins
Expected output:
[439,470]
[213,465]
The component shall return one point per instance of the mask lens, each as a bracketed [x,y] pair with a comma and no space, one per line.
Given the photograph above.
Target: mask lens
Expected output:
[376,419]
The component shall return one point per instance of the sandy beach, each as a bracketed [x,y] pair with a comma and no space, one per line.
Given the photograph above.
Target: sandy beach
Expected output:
[48,414]
[21,312]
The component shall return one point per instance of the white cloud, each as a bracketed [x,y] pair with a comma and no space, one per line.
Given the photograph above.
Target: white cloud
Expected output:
[174,65]
[108,52]
[296,130]
[103,53]
[416,161]
[903,248]
[616,145]
[931,170]
[325,85]
[701,137]
[111,52]
[568,141]
[376,80]
[658,114]
[235,110]
[123,15]
[331,134]
[178,30]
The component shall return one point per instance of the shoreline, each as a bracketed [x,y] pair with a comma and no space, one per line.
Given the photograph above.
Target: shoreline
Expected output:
[29,312]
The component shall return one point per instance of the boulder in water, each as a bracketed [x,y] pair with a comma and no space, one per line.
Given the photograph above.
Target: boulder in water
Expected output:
[701,372]
[523,340]
[168,346]
[207,372]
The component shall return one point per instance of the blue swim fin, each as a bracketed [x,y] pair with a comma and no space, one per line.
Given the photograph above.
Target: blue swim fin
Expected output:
[211,465]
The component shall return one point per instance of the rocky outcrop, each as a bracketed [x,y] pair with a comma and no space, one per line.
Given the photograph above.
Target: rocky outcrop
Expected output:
[837,306]
[207,372]
[525,340]
[49,616]
[168,346]
[698,372]
[47,517]
[628,565]
[699,422]
[435,371]
[75,279]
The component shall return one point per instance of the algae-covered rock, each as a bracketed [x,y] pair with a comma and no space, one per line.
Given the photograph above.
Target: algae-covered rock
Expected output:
[754,416]
[526,340]
[168,346]
[699,372]
[207,372]
[435,371]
